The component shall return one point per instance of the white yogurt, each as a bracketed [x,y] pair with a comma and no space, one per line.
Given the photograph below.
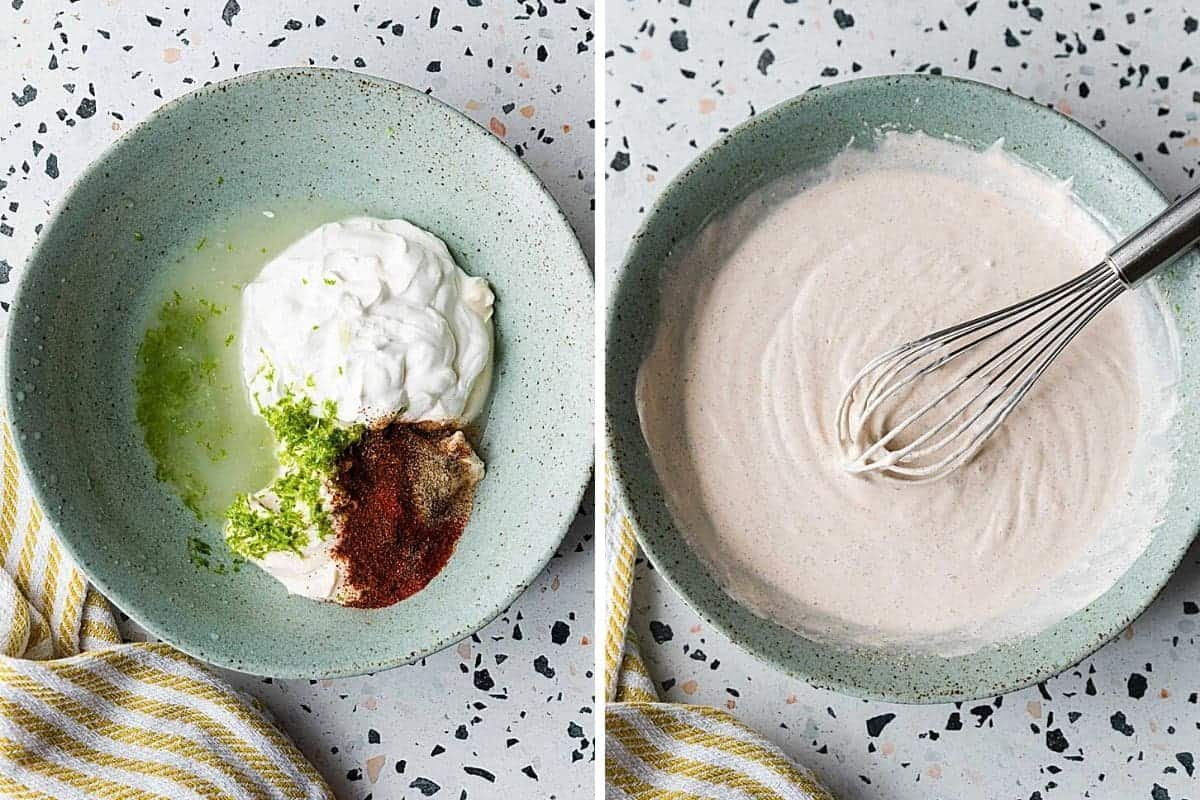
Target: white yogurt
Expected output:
[374,315]
[313,573]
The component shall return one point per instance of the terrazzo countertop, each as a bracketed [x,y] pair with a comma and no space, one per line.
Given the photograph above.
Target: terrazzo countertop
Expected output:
[1123,724]
[508,712]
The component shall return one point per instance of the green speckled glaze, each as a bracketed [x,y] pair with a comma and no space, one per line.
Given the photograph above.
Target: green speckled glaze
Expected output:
[802,134]
[278,136]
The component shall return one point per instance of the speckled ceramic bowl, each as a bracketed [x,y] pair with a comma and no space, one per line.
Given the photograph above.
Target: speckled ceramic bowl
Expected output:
[802,134]
[294,134]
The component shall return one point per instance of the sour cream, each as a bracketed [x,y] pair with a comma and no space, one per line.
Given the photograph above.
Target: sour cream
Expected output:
[374,315]
[313,573]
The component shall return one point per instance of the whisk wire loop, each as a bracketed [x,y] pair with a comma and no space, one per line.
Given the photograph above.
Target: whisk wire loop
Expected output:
[1015,346]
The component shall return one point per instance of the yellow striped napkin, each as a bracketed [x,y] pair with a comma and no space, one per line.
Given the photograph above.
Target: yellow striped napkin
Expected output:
[84,716]
[672,751]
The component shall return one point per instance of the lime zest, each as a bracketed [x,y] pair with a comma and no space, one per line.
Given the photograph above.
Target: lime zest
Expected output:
[266,369]
[201,555]
[282,516]
[175,385]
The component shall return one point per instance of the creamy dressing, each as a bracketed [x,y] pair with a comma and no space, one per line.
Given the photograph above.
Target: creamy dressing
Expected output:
[772,309]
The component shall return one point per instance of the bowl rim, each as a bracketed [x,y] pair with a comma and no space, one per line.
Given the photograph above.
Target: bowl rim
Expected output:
[621,479]
[126,601]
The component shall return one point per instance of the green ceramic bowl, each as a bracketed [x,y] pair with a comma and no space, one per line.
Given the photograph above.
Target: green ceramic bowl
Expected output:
[281,135]
[802,134]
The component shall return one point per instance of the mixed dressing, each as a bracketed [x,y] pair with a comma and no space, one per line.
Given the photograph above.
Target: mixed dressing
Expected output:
[771,310]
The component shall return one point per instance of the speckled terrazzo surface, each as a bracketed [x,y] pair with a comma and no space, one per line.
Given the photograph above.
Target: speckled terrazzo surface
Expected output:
[1124,723]
[509,711]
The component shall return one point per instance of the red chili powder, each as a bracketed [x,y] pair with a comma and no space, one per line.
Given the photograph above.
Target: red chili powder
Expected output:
[401,499]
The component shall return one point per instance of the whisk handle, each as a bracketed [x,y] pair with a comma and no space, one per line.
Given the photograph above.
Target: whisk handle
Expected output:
[1159,242]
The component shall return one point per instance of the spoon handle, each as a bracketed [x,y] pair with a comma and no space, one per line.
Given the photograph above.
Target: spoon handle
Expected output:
[1159,242]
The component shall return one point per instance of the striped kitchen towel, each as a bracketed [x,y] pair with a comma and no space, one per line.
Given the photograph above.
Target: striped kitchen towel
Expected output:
[671,751]
[84,716]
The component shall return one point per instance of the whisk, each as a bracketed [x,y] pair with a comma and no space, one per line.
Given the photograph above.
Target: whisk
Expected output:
[923,409]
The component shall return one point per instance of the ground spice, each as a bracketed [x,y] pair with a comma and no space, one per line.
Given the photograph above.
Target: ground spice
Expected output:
[401,497]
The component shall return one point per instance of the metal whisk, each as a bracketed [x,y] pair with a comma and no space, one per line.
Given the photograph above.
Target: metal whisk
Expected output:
[897,419]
